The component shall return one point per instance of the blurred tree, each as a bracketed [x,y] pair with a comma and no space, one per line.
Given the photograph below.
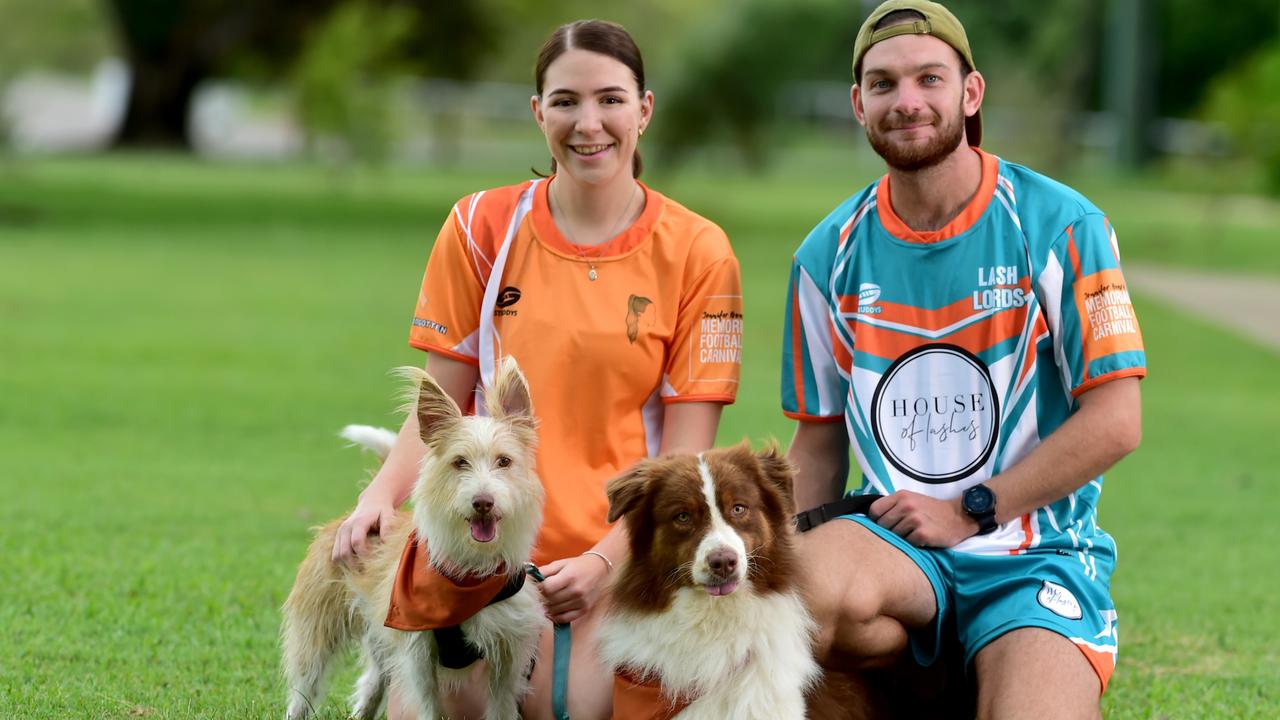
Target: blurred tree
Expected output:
[1246,100]
[735,71]
[173,45]
[344,82]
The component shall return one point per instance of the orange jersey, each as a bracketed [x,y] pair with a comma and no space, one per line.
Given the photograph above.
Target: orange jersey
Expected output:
[660,323]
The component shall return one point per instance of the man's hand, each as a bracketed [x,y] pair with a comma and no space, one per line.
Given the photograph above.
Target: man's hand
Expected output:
[572,586]
[923,521]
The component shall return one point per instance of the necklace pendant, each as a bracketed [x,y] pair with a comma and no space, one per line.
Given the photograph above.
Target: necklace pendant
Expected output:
[591,274]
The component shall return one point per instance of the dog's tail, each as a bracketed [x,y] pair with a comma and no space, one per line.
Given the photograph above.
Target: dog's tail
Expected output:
[319,621]
[375,439]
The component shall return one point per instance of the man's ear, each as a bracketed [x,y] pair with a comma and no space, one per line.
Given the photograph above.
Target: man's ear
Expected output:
[975,88]
[855,99]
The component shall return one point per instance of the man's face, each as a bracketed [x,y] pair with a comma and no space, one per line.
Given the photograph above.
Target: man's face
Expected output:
[913,101]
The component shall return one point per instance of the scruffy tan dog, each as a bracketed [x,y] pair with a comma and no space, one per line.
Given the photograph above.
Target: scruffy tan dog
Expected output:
[417,600]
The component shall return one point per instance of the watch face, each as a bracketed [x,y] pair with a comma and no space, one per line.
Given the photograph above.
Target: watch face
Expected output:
[978,499]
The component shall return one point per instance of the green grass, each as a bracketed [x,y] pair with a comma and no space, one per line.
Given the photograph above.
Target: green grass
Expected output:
[179,343]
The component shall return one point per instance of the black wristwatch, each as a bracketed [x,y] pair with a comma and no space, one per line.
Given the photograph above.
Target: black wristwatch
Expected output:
[979,503]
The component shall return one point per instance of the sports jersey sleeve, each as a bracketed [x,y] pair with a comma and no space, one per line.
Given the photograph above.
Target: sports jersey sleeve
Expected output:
[706,352]
[813,390]
[1097,338]
[447,315]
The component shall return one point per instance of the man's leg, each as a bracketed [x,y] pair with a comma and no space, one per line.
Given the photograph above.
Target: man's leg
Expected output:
[864,593]
[1012,678]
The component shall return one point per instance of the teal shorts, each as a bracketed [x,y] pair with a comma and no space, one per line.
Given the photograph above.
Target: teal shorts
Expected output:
[986,596]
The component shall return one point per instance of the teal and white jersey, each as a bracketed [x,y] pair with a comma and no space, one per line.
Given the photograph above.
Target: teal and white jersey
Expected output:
[950,355]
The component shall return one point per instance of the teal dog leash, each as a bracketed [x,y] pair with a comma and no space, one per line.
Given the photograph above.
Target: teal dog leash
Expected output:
[559,660]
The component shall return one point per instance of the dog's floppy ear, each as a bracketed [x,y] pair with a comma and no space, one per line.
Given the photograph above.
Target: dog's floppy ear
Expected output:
[626,490]
[509,398]
[429,402]
[780,473]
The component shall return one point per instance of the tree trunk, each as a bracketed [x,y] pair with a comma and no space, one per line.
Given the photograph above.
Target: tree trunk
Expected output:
[159,102]
[162,41]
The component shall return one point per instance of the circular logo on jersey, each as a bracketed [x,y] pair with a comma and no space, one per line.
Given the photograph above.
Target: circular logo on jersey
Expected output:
[934,413]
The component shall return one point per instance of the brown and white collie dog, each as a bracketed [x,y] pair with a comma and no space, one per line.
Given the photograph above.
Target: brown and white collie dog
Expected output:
[477,506]
[704,618]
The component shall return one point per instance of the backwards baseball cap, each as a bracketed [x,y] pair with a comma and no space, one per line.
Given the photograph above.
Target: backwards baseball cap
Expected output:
[938,22]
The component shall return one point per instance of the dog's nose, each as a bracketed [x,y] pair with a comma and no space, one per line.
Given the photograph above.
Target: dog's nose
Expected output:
[723,561]
[482,504]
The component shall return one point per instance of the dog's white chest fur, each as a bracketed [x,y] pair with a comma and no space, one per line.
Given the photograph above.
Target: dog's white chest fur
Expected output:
[744,655]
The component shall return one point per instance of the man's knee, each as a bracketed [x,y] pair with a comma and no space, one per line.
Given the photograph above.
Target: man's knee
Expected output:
[863,593]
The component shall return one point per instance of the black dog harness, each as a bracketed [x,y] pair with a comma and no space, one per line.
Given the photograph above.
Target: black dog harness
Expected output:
[455,652]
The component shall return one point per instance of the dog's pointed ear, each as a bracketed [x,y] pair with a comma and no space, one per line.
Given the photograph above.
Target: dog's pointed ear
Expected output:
[780,473]
[509,398]
[625,491]
[432,404]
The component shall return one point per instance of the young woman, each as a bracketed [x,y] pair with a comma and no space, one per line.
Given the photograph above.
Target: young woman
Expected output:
[623,308]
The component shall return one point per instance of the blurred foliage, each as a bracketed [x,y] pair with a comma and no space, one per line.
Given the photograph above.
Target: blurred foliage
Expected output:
[735,74]
[656,26]
[1199,39]
[732,72]
[344,81]
[173,45]
[66,35]
[1246,100]
[1044,60]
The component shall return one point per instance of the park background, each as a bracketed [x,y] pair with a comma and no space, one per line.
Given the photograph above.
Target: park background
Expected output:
[214,216]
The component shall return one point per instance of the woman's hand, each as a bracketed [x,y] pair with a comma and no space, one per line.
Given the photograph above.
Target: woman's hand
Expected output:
[369,517]
[572,586]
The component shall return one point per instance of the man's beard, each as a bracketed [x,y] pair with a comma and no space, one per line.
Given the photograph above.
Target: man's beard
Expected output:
[916,157]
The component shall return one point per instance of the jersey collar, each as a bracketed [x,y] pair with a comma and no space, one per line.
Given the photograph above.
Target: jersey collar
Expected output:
[967,218]
[545,226]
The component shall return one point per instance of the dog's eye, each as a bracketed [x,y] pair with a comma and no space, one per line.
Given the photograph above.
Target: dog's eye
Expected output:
[503,461]
[739,510]
[683,517]
[460,463]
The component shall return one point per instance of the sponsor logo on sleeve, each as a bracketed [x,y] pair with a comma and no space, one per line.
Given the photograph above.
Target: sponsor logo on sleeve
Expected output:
[430,325]
[1108,324]
[720,337]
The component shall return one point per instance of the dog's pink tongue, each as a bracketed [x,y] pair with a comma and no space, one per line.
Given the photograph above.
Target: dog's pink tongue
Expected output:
[483,529]
[722,589]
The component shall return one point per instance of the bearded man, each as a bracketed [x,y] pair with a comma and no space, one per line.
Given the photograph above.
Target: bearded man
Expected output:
[963,324]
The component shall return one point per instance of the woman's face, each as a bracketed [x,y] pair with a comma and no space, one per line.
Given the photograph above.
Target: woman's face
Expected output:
[591,112]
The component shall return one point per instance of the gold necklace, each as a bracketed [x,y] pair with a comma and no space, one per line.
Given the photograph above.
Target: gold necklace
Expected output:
[568,229]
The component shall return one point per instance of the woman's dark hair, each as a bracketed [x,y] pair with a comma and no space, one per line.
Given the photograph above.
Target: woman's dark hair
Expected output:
[597,36]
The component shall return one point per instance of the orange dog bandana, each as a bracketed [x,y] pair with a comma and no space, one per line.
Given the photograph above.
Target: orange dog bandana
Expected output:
[637,699]
[423,598]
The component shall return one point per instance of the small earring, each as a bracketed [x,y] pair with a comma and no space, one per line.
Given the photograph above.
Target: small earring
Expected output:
[641,132]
